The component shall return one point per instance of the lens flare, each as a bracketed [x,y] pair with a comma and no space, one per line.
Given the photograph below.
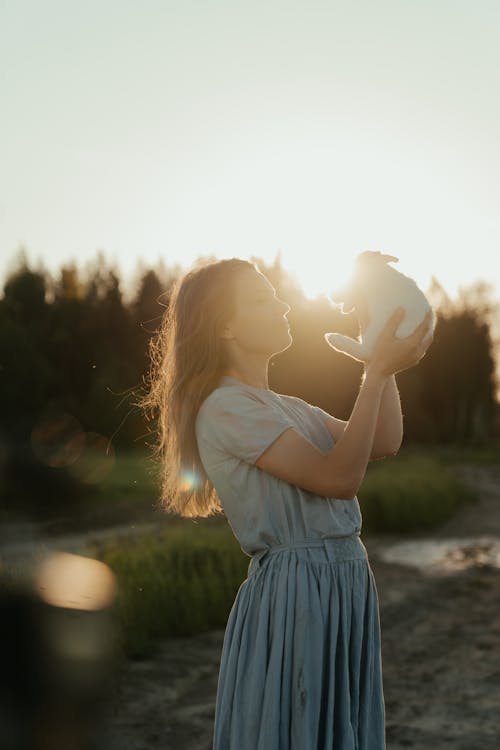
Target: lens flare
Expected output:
[75,582]
[57,439]
[188,480]
[96,461]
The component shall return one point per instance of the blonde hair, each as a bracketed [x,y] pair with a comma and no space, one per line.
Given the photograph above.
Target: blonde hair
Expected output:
[187,360]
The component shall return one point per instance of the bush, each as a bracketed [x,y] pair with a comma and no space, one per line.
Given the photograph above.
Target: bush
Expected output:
[181,581]
[410,493]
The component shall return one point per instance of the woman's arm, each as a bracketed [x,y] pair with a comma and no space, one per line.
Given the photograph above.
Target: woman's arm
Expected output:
[389,428]
[340,472]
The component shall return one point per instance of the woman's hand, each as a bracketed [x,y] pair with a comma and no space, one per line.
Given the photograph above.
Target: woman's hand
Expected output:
[393,355]
[363,317]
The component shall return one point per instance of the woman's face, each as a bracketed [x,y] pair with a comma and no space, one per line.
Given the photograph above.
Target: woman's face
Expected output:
[258,324]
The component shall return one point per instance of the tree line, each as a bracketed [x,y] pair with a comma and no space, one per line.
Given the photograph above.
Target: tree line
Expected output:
[74,353]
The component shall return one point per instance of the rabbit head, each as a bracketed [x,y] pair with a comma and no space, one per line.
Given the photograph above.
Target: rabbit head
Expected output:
[369,266]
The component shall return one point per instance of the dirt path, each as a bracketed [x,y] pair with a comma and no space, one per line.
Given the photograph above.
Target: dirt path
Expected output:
[441,636]
[22,541]
[440,652]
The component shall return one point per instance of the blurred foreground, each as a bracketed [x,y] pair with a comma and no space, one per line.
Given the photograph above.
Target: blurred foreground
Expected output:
[57,655]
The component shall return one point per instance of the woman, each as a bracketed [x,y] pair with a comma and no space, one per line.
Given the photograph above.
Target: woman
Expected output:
[301,661]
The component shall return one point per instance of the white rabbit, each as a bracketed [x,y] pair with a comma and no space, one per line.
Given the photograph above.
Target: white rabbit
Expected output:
[378,289]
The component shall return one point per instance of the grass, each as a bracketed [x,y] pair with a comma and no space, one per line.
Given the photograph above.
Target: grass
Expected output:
[487,454]
[128,492]
[183,579]
[126,489]
[180,581]
[132,478]
[411,492]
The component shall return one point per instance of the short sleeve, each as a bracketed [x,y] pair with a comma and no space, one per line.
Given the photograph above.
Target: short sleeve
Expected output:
[321,413]
[240,424]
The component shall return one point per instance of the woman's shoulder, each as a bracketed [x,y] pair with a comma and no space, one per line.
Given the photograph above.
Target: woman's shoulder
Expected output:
[234,400]
[312,413]
[295,402]
[241,422]
[228,395]
[241,399]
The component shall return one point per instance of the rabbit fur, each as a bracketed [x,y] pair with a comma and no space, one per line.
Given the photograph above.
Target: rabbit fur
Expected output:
[380,289]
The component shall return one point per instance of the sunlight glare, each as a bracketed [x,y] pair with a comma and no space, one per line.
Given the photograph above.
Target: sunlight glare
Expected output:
[318,275]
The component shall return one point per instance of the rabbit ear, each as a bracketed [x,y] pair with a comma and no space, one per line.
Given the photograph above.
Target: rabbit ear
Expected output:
[389,258]
[377,256]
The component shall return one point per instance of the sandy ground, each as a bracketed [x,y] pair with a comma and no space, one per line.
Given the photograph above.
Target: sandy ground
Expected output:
[440,653]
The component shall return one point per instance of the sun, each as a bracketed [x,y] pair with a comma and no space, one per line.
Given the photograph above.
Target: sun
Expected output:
[318,274]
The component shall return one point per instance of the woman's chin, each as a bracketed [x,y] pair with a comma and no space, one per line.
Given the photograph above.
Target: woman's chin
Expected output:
[287,341]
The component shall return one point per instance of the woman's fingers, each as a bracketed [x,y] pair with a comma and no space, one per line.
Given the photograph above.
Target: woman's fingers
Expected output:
[421,331]
[400,354]
[425,323]
[419,334]
[424,336]
[362,313]
[394,321]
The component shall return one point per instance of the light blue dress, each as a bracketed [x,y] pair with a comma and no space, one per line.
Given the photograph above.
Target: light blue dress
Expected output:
[301,662]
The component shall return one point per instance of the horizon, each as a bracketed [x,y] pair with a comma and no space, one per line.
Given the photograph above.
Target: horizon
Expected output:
[129,280]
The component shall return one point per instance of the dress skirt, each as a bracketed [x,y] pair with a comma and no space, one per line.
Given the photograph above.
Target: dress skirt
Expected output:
[301,661]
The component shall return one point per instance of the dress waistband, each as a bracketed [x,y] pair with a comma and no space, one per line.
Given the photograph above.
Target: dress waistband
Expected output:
[327,549]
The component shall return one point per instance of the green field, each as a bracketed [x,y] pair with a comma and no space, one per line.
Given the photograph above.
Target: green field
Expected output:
[183,579]
[411,492]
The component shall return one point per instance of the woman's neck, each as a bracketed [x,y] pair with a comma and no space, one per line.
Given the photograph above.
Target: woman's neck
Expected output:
[254,376]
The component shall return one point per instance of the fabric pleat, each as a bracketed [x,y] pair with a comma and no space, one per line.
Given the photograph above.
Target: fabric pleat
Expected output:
[301,664]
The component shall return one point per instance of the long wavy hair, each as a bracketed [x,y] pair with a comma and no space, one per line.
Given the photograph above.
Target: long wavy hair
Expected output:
[188,358]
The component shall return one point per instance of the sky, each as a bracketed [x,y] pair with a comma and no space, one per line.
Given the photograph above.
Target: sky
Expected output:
[171,130]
